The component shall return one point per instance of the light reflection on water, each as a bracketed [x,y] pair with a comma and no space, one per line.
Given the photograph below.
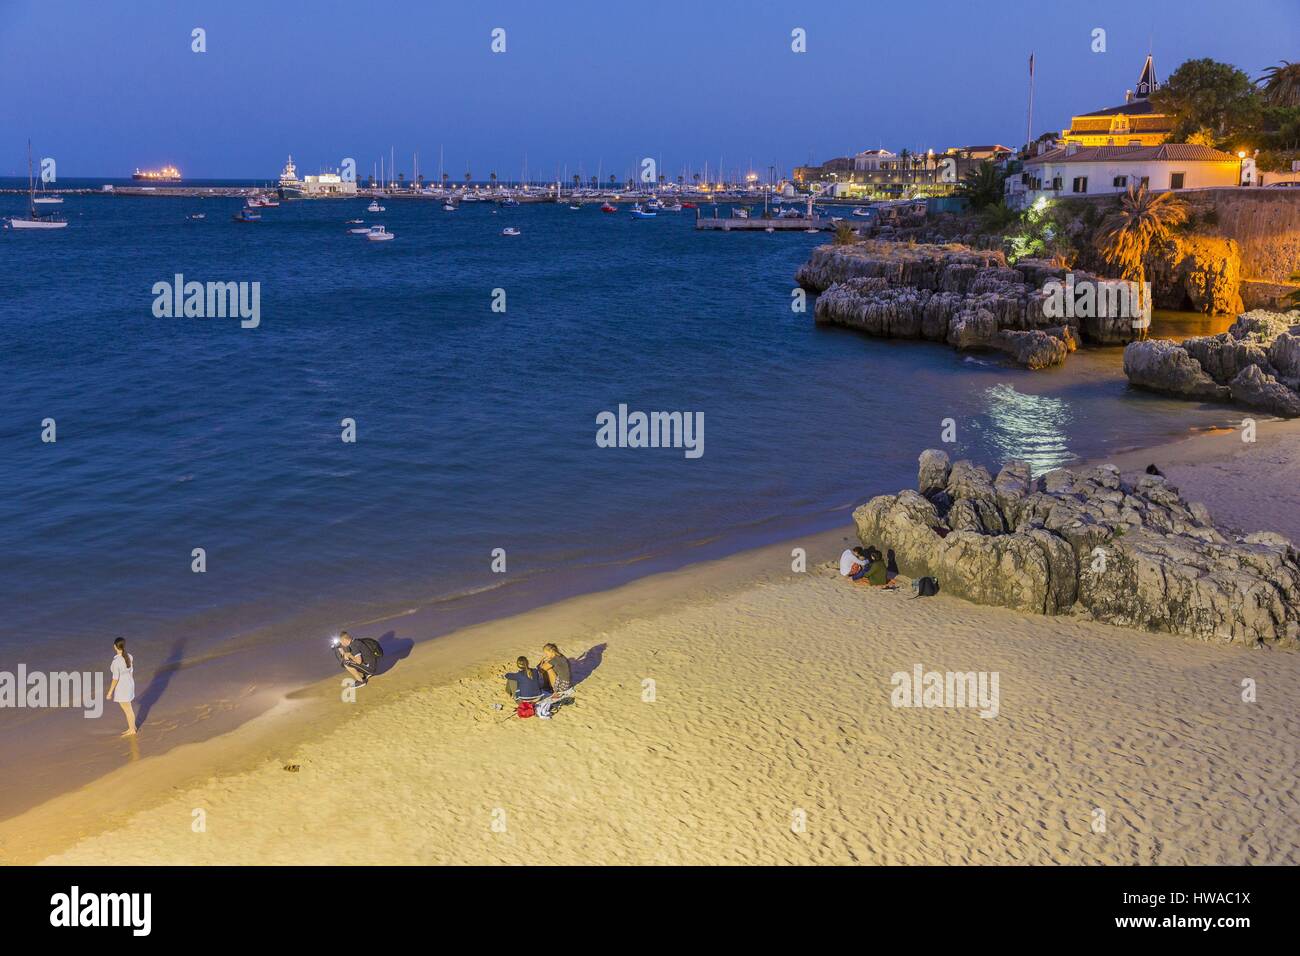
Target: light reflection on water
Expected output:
[1032,428]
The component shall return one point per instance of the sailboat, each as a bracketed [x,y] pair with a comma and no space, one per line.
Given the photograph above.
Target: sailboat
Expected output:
[32,220]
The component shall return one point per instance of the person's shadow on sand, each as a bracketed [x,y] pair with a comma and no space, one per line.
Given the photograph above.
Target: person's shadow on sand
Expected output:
[157,686]
[395,649]
[580,668]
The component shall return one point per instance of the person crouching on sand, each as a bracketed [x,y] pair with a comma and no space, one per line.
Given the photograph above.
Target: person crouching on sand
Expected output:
[122,689]
[356,659]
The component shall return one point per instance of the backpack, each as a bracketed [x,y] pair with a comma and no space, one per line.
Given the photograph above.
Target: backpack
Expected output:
[926,587]
[525,708]
[372,645]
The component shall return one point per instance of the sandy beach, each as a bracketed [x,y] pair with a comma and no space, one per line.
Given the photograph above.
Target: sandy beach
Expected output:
[738,711]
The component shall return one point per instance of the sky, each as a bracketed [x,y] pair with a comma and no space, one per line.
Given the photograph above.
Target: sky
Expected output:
[104,86]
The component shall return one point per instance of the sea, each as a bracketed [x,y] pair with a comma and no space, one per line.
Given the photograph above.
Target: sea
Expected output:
[200,499]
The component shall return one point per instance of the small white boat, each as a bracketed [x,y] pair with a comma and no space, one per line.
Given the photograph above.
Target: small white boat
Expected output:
[48,200]
[740,213]
[511,231]
[574,207]
[379,234]
[675,207]
[360,231]
[354,222]
[33,221]
[374,206]
[861,213]
[449,207]
[770,229]
[811,232]
[197,215]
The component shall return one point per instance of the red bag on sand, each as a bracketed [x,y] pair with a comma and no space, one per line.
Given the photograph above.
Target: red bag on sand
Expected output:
[525,709]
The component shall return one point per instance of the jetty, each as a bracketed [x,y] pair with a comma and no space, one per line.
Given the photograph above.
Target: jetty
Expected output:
[802,224]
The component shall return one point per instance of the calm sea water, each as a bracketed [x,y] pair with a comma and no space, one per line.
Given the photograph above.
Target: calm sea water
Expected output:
[476,429]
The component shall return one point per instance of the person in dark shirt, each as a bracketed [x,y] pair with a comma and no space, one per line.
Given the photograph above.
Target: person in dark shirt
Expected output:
[556,667]
[356,658]
[525,683]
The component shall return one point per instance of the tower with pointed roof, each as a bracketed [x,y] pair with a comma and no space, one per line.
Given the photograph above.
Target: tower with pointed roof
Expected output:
[1133,123]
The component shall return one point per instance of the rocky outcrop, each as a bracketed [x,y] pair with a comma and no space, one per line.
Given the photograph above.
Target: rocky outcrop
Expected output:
[1088,543]
[967,298]
[1197,272]
[1256,363]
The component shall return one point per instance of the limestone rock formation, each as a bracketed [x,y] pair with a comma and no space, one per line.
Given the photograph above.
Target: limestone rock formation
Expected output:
[1090,543]
[1256,363]
[970,299]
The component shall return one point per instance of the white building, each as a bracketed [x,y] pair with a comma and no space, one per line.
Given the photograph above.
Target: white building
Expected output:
[1075,170]
[869,160]
[328,184]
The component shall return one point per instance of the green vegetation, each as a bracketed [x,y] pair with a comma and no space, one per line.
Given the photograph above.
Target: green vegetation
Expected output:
[1216,104]
[1128,232]
[982,185]
[844,234]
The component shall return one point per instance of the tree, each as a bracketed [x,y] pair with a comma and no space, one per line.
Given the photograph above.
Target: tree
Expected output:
[1128,232]
[1205,94]
[983,185]
[468,176]
[1280,85]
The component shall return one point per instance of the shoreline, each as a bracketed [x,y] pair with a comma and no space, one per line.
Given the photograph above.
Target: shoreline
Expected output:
[299,720]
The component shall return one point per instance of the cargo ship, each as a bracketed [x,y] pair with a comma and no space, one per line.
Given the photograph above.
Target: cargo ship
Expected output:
[168,174]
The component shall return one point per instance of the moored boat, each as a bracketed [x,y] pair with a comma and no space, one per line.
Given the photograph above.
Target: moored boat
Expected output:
[379,234]
[608,207]
[32,220]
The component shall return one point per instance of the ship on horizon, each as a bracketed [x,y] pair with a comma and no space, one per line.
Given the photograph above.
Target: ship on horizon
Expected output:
[168,174]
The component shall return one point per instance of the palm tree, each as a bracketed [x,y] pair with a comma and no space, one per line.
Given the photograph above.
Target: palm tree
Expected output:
[1142,219]
[1281,84]
[983,185]
[493,177]
[468,176]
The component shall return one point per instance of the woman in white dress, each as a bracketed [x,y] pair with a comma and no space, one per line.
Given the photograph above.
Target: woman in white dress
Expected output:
[122,689]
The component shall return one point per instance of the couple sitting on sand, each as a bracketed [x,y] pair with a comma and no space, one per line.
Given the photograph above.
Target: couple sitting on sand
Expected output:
[545,686]
[867,566]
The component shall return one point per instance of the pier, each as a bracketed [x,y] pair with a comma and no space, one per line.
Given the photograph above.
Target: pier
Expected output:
[801,224]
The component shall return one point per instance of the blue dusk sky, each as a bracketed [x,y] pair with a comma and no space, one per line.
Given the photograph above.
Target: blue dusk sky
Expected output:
[105,87]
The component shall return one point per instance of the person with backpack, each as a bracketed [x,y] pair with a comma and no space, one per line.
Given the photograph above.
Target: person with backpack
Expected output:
[359,657]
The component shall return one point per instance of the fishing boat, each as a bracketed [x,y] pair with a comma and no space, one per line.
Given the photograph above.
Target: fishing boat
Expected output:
[510,201]
[675,207]
[639,213]
[737,213]
[449,207]
[608,207]
[379,234]
[374,206]
[32,220]
[654,204]
[511,231]
[247,215]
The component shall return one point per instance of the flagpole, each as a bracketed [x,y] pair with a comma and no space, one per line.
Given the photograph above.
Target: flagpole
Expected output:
[1029,125]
